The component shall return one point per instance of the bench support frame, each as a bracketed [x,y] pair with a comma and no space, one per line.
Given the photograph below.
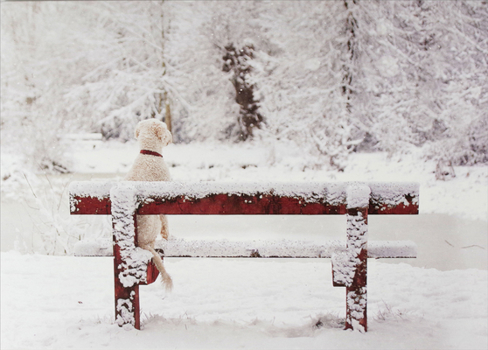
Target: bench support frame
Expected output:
[356,292]
[349,267]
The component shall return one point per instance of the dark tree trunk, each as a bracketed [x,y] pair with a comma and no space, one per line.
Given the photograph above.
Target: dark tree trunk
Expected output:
[237,61]
[350,31]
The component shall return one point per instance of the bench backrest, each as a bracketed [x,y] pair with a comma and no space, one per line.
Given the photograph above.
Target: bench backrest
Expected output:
[253,198]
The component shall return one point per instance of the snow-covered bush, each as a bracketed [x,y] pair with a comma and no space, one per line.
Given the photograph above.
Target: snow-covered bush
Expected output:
[35,53]
[430,60]
[126,78]
[42,205]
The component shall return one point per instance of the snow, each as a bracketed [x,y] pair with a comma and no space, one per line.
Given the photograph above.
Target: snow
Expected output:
[395,249]
[124,202]
[356,302]
[265,248]
[355,266]
[135,268]
[343,264]
[239,303]
[357,196]
[99,190]
[357,232]
[179,247]
[417,72]
[126,310]
[97,247]
[135,260]
[437,301]
[390,193]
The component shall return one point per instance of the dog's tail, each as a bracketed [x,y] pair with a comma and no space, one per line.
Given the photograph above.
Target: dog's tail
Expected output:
[166,279]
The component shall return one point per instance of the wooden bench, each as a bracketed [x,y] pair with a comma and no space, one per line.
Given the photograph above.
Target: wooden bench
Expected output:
[133,266]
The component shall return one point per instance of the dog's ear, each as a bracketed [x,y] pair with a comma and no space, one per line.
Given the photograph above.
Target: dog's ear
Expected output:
[169,137]
[163,134]
[136,132]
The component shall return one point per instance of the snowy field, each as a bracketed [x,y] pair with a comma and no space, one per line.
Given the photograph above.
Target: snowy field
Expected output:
[437,301]
[67,302]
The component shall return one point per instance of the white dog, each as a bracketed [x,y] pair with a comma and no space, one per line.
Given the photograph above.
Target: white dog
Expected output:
[149,165]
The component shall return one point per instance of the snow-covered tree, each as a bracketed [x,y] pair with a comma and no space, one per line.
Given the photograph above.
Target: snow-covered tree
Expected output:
[39,59]
[126,81]
[332,77]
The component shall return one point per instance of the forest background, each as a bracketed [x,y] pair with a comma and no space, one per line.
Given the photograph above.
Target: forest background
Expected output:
[331,77]
[254,91]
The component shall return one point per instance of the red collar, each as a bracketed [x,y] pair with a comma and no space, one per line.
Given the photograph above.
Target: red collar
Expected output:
[144,151]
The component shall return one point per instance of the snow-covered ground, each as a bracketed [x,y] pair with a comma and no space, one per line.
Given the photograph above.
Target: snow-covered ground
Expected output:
[438,301]
[67,302]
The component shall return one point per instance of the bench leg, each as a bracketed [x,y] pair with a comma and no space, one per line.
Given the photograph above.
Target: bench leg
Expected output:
[356,292]
[127,309]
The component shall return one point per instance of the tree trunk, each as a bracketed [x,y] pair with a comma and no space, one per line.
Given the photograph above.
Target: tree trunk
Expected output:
[167,115]
[351,27]
[237,61]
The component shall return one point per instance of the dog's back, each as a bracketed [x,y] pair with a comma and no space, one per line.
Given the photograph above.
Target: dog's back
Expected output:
[148,168]
[149,165]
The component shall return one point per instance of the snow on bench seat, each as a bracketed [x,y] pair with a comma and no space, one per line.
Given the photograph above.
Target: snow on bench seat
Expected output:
[179,248]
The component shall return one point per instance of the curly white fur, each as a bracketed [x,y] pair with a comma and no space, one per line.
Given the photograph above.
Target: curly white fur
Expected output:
[152,135]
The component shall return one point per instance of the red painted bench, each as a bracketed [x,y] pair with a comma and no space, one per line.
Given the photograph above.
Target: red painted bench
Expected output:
[133,266]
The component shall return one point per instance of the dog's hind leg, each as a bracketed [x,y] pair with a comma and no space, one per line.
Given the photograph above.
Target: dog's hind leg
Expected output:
[164,227]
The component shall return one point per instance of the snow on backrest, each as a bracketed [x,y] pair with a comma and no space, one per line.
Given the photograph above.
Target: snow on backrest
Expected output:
[313,192]
[394,193]
[357,195]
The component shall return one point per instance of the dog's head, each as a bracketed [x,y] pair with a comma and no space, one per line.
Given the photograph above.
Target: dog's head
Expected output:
[153,133]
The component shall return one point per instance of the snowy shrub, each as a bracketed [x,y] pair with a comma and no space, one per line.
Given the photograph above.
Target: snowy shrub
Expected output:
[389,314]
[125,80]
[44,205]
[428,90]
[478,142]
[42,199]
[32,84]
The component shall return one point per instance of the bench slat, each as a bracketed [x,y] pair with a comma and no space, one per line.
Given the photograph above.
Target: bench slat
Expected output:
[212,198]
[256,249]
